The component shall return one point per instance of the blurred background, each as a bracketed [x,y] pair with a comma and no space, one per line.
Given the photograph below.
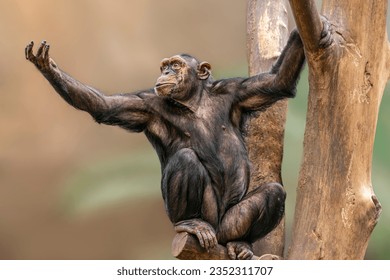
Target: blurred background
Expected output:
[73,189]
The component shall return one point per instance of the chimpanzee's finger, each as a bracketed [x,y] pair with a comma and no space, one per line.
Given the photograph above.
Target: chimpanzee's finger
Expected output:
[212,239]
[231,252]
[245,255]
[206,240]
[200,238]
[28,51]
[215,241]
[46,53]
[41,47]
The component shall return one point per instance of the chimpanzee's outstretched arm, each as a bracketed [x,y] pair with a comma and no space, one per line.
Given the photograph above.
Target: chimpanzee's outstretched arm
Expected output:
[280,82]
[128,111]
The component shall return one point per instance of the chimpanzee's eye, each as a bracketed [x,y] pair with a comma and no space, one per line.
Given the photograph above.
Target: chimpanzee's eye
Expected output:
[176,66]
[164,68]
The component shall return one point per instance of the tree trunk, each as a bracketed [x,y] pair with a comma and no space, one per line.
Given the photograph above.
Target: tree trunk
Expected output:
[336,209]
[267,34]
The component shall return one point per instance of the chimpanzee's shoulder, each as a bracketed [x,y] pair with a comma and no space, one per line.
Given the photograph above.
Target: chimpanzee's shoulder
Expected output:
[226,86]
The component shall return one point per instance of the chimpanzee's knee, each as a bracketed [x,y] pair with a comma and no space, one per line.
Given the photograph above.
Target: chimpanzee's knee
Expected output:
[276,195]
[183,182]
[271,209]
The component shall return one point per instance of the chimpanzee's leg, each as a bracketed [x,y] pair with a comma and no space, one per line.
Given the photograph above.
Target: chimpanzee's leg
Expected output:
[258,213]
[187,192]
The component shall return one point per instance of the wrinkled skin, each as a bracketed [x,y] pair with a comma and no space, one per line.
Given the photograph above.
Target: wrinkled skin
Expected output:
[195,125]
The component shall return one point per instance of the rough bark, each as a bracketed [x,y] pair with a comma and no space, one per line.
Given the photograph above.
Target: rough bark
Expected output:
[267,34]
[186,247]
[336,209]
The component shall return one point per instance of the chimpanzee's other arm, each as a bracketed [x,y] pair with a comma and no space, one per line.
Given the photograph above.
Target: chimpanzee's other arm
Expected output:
[128,111]
[264,89]
[289,64]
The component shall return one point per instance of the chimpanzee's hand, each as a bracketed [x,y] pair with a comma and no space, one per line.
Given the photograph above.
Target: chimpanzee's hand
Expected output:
[201,229]
[42,59]
[326,34]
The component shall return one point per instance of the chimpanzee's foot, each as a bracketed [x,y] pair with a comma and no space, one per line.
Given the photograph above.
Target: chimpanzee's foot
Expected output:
[239,250]
[201,229]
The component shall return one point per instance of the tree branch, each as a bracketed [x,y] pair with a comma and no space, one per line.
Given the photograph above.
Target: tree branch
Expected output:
[267,34]
[308,23]
[186,247]
[346,85]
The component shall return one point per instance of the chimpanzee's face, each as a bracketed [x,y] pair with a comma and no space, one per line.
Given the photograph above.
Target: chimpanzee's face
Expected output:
[180,75]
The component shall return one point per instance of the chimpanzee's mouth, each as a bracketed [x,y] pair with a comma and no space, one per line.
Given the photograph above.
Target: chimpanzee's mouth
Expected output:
[163,84]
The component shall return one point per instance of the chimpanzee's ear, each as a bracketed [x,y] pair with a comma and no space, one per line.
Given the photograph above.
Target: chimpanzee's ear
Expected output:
[204,70]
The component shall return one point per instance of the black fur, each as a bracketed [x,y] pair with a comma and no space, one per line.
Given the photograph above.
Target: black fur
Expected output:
[195,125]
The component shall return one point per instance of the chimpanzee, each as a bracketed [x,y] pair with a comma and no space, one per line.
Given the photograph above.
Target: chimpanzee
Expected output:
[196,125]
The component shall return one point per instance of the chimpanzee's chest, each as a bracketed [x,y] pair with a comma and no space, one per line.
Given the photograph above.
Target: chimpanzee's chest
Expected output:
[208,120]
[177,126]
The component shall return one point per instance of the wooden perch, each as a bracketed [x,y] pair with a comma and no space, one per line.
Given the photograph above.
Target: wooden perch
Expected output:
[187,247]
